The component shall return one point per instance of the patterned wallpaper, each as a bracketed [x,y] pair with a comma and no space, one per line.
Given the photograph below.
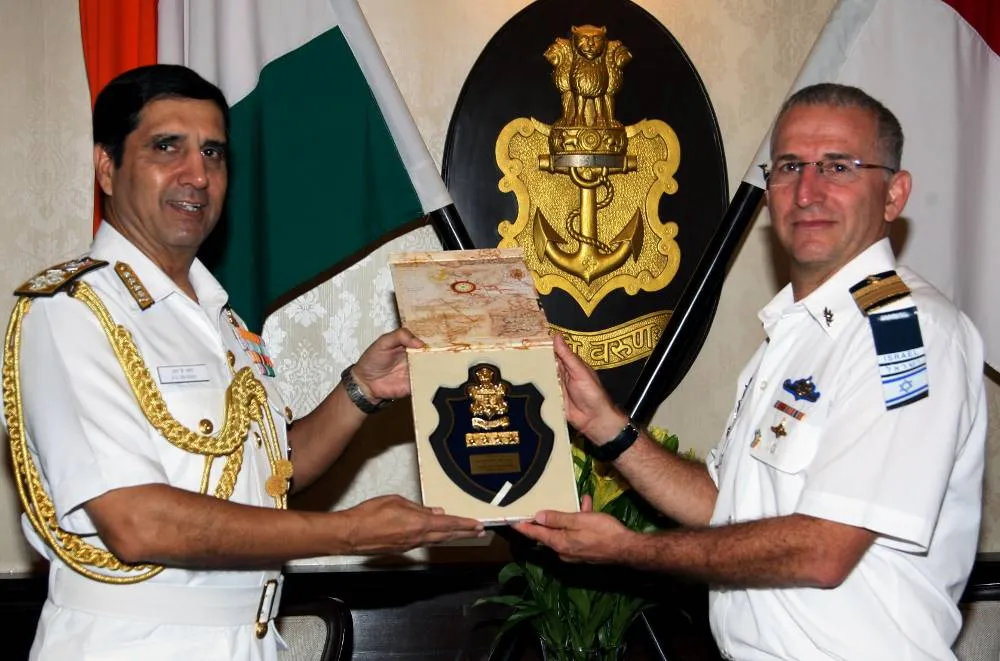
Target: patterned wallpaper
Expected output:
[747,52]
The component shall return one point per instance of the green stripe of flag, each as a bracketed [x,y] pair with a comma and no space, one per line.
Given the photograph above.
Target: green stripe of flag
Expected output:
[314,176]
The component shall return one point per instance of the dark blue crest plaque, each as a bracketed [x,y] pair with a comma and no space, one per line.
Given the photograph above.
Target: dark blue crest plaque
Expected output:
[490,439]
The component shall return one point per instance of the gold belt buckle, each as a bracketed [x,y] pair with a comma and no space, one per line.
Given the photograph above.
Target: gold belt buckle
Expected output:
[266,597]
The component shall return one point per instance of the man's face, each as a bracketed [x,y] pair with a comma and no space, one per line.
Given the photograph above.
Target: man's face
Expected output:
[823,225]
[168,193]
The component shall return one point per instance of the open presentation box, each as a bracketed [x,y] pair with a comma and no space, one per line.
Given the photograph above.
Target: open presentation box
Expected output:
[491,434]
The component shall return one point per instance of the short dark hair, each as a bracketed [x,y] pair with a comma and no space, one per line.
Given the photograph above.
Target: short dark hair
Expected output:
[119,104]
[890,133]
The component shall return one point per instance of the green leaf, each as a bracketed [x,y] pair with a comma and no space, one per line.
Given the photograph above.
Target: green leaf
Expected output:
[580,598]
[511,600]
[509,571]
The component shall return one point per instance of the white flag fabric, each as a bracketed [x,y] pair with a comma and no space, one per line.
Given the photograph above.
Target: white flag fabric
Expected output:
[325,159]
[935,65]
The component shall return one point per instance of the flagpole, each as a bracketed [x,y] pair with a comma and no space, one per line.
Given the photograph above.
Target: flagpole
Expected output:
[671,358]
[450,228]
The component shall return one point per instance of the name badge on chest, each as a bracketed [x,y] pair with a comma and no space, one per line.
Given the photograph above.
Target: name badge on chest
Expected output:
[174,374]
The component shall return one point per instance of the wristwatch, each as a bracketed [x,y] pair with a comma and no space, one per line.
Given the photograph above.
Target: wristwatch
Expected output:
[614,448]
[357,395]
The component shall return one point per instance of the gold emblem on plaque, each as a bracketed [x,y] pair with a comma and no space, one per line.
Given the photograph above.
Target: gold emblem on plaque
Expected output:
[588,188]
[488,405]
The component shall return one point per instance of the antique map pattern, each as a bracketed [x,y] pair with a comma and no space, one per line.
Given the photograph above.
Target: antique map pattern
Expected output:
[469,298]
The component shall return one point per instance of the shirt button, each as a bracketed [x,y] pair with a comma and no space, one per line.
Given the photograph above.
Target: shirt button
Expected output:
[763,385]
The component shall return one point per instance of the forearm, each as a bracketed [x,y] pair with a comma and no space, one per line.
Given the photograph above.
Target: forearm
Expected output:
[165,525]
[781,552]
[318,439]
[677,487]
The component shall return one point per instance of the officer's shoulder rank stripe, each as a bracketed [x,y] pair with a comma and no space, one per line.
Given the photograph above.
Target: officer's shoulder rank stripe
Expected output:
[134,285]
[902,361]
[53,279]
[878,290]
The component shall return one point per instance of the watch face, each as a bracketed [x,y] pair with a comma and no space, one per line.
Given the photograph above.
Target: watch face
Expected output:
[356,395]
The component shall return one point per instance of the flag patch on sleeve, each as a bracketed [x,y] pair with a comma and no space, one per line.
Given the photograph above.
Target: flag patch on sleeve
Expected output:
[902,362]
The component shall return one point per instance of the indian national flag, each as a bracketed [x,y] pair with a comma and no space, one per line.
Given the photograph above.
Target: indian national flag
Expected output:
[324,158]
[935,64]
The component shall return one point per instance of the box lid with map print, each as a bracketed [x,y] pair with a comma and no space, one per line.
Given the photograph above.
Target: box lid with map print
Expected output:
[492,441]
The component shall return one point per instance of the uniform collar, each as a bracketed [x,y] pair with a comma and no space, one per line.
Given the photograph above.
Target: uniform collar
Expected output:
[831,304]
[110,245]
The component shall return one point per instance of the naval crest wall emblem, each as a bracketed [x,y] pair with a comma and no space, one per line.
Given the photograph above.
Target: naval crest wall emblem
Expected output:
[587,187]
[584,137]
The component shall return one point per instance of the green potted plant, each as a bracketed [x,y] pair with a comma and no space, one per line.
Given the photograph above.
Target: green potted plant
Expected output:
[577,614]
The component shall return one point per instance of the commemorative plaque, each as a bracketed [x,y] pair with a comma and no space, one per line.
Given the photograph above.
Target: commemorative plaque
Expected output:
[491,434]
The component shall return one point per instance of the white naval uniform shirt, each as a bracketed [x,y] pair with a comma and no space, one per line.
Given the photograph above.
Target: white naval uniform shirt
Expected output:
[913,475]
[89,436]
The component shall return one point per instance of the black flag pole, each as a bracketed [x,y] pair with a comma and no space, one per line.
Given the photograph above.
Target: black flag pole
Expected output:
[450,228]
[666,366]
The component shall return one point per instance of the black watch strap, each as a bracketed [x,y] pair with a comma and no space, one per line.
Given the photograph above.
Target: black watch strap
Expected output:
[614,448]
[358,396]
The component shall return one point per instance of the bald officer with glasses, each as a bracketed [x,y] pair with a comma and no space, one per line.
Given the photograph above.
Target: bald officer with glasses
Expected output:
[838,516]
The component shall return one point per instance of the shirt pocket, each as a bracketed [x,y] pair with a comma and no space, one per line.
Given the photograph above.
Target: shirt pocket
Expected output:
[201,410]
[788,438]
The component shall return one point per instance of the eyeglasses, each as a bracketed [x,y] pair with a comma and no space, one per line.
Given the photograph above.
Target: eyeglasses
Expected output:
[840,171]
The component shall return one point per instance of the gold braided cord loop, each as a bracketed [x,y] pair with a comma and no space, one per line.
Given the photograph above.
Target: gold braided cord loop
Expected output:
[38,507]
[244,396]
[245,402]
[227,481]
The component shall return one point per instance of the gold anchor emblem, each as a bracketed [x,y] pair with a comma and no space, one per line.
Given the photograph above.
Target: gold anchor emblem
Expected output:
[587,187]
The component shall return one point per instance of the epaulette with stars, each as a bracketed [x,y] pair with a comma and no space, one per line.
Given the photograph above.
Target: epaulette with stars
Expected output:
[53,279]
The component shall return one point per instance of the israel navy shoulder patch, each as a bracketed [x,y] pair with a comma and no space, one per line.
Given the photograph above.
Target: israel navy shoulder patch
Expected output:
[53,279]
[902,361]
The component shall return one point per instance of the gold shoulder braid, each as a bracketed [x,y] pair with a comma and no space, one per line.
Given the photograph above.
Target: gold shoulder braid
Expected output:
[878,290]
[246,402]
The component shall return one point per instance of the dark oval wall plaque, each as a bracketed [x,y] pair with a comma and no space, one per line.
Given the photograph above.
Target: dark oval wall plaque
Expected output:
[613,285]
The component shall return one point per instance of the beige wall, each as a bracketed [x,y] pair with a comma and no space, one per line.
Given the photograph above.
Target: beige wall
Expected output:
[747,54]
[45,183]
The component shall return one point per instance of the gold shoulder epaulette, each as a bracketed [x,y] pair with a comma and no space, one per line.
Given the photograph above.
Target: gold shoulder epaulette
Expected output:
[878,290]
[134,285]
[53,279]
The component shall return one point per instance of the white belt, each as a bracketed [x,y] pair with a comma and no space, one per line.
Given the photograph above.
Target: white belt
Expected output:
[201,605]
